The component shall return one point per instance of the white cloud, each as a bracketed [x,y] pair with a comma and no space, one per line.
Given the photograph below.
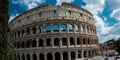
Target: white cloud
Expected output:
[116,14]
[115,6]
[29,3]
[94,6]
[59,2]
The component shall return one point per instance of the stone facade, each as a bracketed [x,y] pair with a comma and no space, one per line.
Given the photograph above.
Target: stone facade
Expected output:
[47,32]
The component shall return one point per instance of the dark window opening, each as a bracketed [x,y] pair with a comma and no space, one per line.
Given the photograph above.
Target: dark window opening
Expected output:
[69,12]
[64,41]
[34,43]
[57,56]
[56,41]
[28,31]
[22,45]
[34,57]
[23,57]
[72,55]
[81,14]
[34,30]
[41,56]
[79,54]
[18,33]
[49,56]
[83,40]
[28,56]
[65,56]
[28,44]
[48,42]
[55,12]
[78,40]
[23,32]
[40,43]
[72,41]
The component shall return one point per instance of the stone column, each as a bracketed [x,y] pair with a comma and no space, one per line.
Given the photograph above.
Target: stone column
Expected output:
[68,41]
[69,55]
[31,56]
[82,53]
[52,40]
[53,55]
[75,41]
[44,41]
[38,56]
[74,30]
[67,28]
[51,28]
[45,55]
[76,54]
[61,55]
[60,43]
[37,42]
[37,29]
[59,28]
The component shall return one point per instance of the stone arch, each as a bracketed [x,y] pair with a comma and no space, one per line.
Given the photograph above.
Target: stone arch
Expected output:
[49,56]
[28,31]
[34,43]
[22,45]
[18,56]
[23,57]
[34,56]
[72,55]
[28,44]
[72,41]
[70,27]
[34,30]
[63,27]
[65,56]
[28,57]
[56,41]
[48,41]
[78,40]
[41,56]
[64,41]
[79,54]
[41,42]
[76,28]
[55,27]
[57,56]
[48,28]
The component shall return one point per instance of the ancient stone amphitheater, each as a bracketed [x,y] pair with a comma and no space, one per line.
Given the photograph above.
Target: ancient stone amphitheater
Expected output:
[65,32]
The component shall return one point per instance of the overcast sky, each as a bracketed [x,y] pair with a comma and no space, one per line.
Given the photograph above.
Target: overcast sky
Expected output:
[106,13]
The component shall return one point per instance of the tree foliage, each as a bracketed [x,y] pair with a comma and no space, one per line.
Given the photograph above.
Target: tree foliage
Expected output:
[4,31]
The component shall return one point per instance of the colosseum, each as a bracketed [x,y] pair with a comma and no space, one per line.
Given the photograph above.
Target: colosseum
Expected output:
[63,32]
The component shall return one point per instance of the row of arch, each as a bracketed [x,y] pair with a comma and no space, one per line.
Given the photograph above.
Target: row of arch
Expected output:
[72,55]
[54,28]
[64,41]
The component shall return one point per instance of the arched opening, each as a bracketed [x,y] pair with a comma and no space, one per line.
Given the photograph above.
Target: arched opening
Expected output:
[48,42]
[48,28]
[89,53]
[78,41]
[34,30]
[34,56]
[85,53]
[76,28]
[28,56]
[82,28]
[22,45]
[18,44]
[65,56]
[55,28]
[34,43]
[28,31]
[63,27]
[49,56]
[70,27]
[18,56]
[40,43]
[54,11]
[72,55]
[23,32]
[56,41]
[72,42]
[83,40]
[41,57]
[18,33]
[88,41]
[79,54]
[28,44]
[64,41]
[57,56]
[23,57]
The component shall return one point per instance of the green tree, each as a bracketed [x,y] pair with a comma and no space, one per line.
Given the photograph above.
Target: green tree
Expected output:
[4,31]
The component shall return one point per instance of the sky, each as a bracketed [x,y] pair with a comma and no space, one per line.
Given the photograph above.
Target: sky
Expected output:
[106,13]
